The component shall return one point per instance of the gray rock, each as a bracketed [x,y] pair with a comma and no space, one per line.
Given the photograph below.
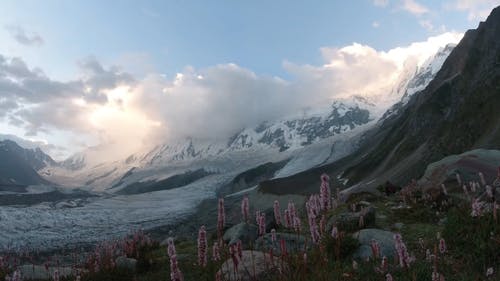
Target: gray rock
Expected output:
[29,271]
[384,238]
[294,243]
[467,165]
[243,231]
[126,263]
[253,265]
[349,221]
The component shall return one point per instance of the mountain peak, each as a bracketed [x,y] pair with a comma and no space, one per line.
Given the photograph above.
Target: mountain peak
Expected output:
[456,112]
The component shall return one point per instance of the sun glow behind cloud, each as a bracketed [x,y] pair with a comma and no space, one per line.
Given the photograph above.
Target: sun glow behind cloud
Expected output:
[121,114]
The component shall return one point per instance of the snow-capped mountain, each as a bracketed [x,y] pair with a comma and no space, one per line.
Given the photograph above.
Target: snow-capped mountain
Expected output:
[269,141]
[30,151]
[165,183]
[19,165]
[415,78]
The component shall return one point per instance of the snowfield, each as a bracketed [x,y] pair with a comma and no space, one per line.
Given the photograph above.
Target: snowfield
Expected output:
[47,226]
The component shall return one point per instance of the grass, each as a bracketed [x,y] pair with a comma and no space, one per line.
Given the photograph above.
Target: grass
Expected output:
[473,246]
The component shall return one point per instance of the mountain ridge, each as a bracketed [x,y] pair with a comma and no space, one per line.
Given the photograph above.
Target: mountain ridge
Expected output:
[456,112]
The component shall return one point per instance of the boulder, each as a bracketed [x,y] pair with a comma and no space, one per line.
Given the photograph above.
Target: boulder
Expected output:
[245,232]
[294,243]
[253,265]
[384,238]
[349,221]
[467,165]
[126,263]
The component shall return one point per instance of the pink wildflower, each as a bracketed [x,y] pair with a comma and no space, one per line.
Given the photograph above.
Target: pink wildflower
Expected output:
[442,246]
[335,232]
[283,247]
[313,227]
[216,252]
[288,219]
[297,225]
[233,252]
[262,224]
[325,193]
[202,247]
[384,264]
[476,208]
[375,248]
[245,208]
[388,277]
[277,212]
[273,235]
[322,225]
[404,257]
[171,247]
[361,222]
[239,248]
[175,273]
[292,211]
[16,276]
[221,216]
[56,275]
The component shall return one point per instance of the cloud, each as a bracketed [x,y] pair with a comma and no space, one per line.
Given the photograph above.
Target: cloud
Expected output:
[375,24]
[476,9]
[23,37]
[380,3]
[121,113]
[427,24]
[414,7]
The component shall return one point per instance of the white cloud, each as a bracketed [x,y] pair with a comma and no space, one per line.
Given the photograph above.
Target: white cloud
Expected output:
[414,7]
[375,24]
[380,3]
[213,102]
[476,9]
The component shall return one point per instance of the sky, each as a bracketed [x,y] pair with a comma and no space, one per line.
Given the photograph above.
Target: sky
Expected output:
[122,75]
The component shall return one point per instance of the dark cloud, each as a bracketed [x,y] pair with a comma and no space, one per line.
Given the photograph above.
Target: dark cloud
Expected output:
[23,37]
[37,102]
[97,79]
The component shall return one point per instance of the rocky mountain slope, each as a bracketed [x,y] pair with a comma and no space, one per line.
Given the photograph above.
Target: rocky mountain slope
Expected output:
[458,111]
[19,166]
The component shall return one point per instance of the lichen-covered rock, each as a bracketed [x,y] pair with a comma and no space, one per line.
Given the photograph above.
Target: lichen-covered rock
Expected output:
[294,243]
[245,232]
[126,263]
[350,221]
[384,238]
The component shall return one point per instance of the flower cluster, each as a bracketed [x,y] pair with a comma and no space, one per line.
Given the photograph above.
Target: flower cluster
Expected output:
[402,252]
[202,247]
